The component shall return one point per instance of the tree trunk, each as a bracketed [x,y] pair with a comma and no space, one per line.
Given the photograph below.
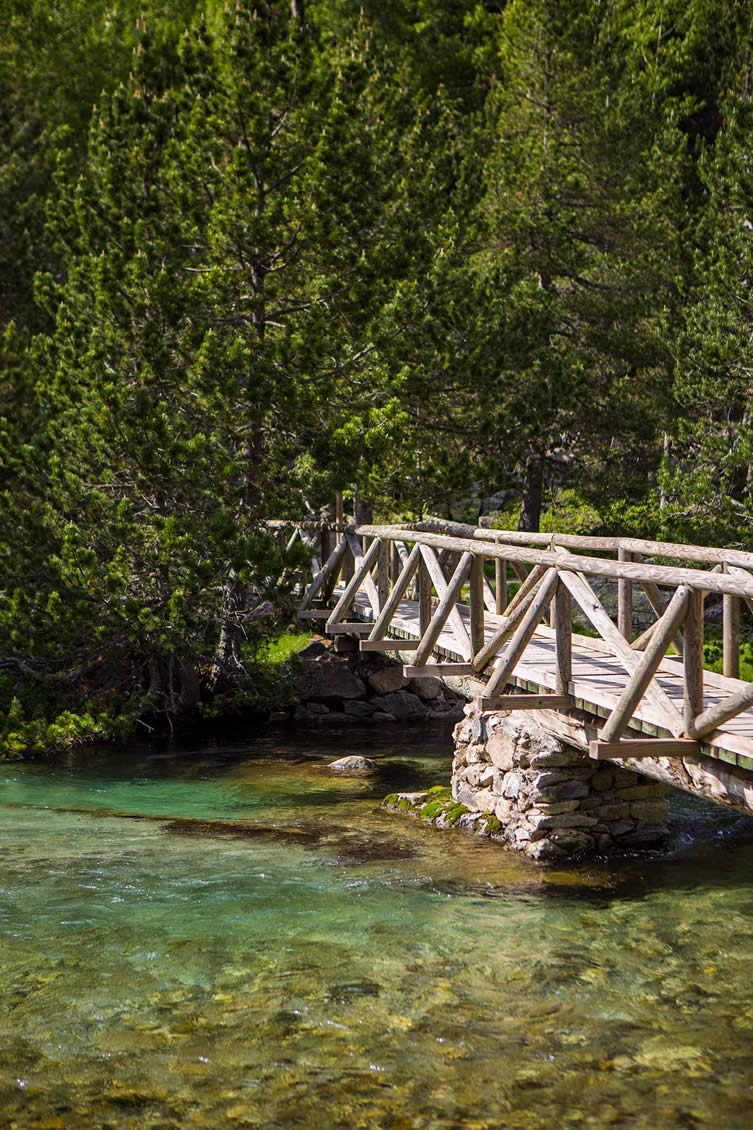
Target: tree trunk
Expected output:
[362,515]
[533,485]
[227,660]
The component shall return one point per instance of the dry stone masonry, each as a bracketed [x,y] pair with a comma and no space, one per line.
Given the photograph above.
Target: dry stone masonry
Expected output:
[551,801]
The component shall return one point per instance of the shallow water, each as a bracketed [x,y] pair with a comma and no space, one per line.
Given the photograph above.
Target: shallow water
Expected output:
[335,965]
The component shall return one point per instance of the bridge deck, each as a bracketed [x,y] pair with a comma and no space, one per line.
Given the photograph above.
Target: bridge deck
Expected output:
[598,679]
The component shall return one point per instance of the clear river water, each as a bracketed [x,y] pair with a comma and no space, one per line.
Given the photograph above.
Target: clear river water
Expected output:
[230,936]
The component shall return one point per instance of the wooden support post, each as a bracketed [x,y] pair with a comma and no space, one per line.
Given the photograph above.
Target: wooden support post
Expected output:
[693,661]
[734,571]
[395,563]
[625,600]
[383,572]
[398,589]
[424,596]
[505,629]
[519,570]
[389,645]
[717,715]
[730,635]
[339,512]
[360,551]
[529,584]
[500,585]
[596,613]
[324,544]
[642,747]
[525,702]
[563,638]
[477,604]
[523,633]
[361,576]
[436,670]
[328,569]
[619,719]
[348,565]
[446,609]
[348,628]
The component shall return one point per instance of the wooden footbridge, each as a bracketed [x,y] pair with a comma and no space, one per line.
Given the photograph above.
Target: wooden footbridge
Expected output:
[494,608]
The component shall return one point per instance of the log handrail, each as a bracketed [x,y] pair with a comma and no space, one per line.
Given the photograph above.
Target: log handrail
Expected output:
[447,559]
[670,576]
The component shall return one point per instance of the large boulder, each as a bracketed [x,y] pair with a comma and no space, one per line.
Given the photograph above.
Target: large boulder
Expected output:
[387,679]
[401,705]
[327,678]
[428,689]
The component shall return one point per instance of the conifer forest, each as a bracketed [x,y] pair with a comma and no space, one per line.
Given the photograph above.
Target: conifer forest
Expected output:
[427,253]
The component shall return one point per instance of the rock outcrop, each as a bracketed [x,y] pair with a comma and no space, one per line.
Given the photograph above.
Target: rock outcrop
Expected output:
[339,685]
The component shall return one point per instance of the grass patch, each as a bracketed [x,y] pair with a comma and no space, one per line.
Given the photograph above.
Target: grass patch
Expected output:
[712,653]
[282,648]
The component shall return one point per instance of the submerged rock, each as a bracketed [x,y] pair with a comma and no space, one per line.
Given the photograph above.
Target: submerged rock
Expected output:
[353,764]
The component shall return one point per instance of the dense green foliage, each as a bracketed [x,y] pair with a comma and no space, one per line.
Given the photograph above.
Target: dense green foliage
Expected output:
[255,254]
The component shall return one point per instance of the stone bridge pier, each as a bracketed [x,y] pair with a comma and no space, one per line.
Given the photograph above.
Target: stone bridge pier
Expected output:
[545,797]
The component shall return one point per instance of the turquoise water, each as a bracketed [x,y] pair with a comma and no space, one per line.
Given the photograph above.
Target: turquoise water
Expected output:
[327,964]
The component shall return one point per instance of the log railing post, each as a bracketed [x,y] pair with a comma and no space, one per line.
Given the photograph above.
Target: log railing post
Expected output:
[693,660]
[563,638]
[625,600]
[339,512]
[383,572]
[424,598]
[477,603]
[445,610]
[395,563]
[324,543]
[730,635]
[640,678]
[517,645]
[500,586]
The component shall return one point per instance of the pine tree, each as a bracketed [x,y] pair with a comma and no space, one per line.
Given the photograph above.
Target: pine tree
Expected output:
[708,481]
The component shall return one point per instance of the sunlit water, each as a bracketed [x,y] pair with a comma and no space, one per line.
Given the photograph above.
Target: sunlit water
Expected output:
[339,966]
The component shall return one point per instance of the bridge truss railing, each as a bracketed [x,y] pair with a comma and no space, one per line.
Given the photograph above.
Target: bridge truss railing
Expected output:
[441,566]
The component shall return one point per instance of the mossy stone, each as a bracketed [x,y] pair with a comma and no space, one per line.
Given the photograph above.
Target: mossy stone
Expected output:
[453,812]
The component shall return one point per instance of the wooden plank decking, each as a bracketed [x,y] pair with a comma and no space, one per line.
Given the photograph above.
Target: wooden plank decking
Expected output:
[598,679]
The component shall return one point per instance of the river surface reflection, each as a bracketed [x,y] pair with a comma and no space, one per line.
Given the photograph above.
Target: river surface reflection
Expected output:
[324,963]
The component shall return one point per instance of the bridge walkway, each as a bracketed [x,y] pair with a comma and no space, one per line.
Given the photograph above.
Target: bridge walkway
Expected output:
[425,589]
[598,679]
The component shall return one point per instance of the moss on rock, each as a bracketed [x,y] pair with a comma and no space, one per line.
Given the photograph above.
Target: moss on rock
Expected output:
[452,813]
[489,825]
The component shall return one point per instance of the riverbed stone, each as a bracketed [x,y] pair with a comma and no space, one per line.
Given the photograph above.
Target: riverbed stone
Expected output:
[353,764]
